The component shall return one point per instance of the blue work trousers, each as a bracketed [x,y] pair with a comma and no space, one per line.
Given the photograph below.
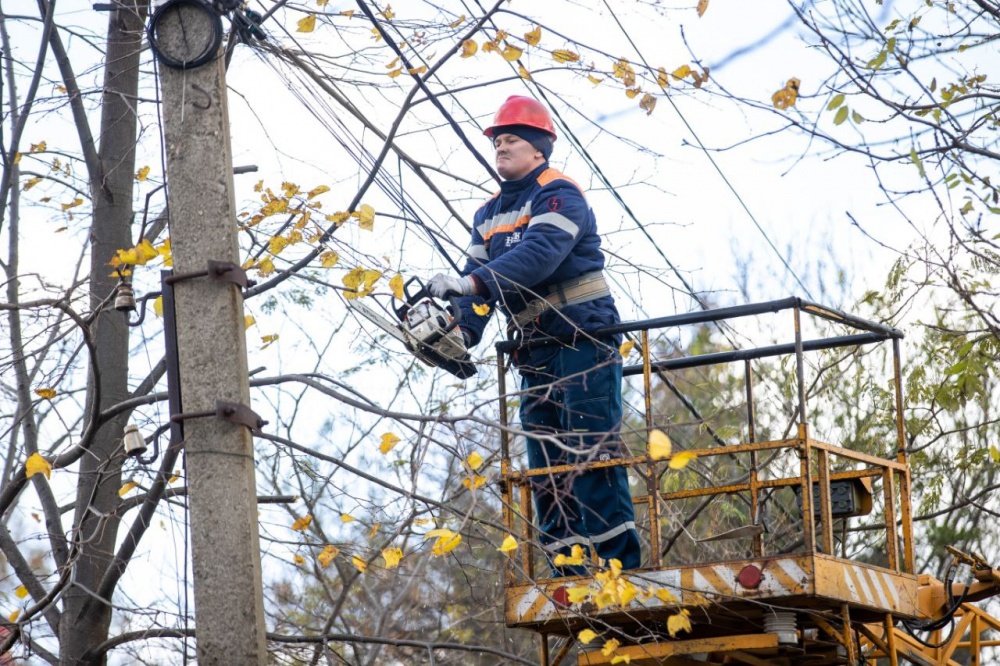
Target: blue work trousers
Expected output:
[574,397]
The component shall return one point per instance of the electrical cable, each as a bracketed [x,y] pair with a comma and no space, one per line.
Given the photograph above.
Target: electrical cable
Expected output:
[211,46]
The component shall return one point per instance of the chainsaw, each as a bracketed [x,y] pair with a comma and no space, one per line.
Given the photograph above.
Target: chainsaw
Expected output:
[428,329]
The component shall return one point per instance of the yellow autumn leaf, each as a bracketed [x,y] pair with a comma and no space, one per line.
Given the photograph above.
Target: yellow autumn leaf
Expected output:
[326,556]
[610,646]
[534,37]
[787,96]
[474,461]
[593,79]
[422,521]
[666,596]
[660,446]
[481,309]
[446,545]
[626,348]
[306,24]
[73,204]
[248,321]
[565,55]
[46,393]
[509,545]
[38,147]
[347,518]
[702,6]
[577,594]
[36,464]
[416,71]
[490,46]
[679,622]
[13,616]
[265,267]
[276,244]
[523,73]
[681,72]
[21,592]
[338,218]
[469,48]
[396,285]
[647,103]
[586,636]
[387,13]
[623,70]
[158,306]
[661,78]
[259,186]
[392,65]
[298,559]
[511,53]
[457,22]
[173,478]
[349,13]
[389,440]
[632,92]
[268,340]
[366,217]
[394,73]
[124,490]
[575,558]
[316,191]
[31,182]
[681,459]
[301,524]
[322,3]
[360,282]
[359,563]
[621,659]
[329,259]
[474,482]
[392,556]
[142,174]
[17,158]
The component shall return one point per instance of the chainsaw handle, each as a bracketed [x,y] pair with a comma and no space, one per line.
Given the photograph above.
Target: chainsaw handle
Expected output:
[411,299]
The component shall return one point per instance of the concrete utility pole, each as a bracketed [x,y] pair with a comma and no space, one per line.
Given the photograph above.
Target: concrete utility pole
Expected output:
[211,344]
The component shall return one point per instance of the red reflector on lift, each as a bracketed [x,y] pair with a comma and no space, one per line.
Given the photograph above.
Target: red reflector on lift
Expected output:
[749,577]
[560,596]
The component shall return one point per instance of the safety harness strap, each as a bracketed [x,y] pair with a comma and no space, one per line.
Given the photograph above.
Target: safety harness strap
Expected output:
[587,287]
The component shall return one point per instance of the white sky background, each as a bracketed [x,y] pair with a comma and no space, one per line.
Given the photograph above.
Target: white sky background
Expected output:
[670,185]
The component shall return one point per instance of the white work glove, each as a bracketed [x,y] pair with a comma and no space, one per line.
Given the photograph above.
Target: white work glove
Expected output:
[443,286]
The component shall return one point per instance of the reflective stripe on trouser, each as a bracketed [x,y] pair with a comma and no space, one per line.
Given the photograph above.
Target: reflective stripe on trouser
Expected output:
[576,397]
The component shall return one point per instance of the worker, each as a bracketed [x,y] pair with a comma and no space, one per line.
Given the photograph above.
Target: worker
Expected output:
[536,254]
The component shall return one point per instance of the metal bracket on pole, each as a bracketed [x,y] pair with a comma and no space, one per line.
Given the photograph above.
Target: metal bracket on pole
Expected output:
[233,412]
[220,271]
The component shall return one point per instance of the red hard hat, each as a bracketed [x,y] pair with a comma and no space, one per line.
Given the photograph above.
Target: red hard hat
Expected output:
[518,110]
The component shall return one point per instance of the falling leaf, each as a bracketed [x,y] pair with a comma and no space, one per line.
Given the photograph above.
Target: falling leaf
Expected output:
[396,285]
[457,22]
[301,524]
[659,445]
[21,592]
[392,556]
[329,259]
[679,622]
[626,348]
[327,555]
[681,459]
[359,563]
[36,464]
[481,309]
[564,55]
[298,559]
[508,546]
[474,482]
[534,37]
[702,6]
[46,393]
[575,557]
[586,636]
[469,48]
[681,72]
[787,96]
[73,204]
[268,340]
[142,174]
[306,24]
[389,440]
[347,518]
[474,461]
[647,103]
[511,53]
[248,321]
[124,490]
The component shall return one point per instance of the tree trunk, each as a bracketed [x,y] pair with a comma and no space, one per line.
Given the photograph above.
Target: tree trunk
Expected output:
[85,620]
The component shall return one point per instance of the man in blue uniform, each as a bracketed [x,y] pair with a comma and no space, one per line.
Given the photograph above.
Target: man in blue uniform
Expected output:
[536,254]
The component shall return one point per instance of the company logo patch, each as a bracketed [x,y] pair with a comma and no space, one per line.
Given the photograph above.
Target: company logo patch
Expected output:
[555,203]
